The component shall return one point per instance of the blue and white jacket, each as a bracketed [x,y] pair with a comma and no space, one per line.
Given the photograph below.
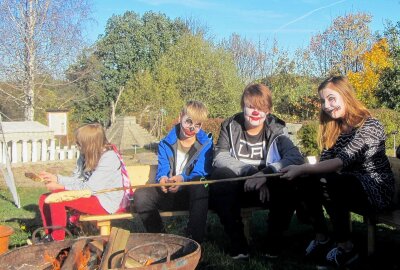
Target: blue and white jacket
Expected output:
[200,156]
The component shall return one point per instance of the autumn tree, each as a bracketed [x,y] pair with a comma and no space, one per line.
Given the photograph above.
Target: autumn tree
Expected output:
[365,81]
[340,47]
[255,60]
[246,55]
[37,41]
[321,53]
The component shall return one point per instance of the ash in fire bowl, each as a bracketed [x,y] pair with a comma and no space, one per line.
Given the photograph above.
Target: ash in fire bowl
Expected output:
[121,250]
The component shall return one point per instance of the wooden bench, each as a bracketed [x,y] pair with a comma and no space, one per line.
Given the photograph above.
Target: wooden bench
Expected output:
[139,175]
[391,218]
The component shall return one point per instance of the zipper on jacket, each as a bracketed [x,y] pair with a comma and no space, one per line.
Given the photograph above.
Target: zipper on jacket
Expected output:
[195,156]
[174,158]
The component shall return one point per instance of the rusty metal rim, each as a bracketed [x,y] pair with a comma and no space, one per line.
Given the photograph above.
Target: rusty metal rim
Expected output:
[46,228]
[128,253]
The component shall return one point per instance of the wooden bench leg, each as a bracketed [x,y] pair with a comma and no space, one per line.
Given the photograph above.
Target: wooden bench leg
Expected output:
[371,227]
[246,218]
[105,227]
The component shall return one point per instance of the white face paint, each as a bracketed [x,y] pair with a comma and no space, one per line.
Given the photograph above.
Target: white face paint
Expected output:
[254,117]
[188,128]
[332,103]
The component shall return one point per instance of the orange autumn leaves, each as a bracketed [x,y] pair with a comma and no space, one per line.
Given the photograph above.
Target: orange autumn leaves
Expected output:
[374,61]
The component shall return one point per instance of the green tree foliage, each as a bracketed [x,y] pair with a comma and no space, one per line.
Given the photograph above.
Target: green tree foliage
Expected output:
[85,75]
[390,119]
[294,96]
[388,92]
[191,69]
[131,44]
[389,88]
[308,138]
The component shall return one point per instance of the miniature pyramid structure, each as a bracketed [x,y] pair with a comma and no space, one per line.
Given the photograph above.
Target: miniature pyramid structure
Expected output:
[125,133]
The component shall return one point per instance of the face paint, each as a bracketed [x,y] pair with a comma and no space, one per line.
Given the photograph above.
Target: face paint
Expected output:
[332,103]
[254,117]
[188,128]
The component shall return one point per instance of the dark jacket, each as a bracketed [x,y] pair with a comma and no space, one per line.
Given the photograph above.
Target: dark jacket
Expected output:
[200,156]
[281,151]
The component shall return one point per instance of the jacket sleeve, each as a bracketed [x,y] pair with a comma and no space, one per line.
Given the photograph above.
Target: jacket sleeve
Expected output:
[223,157]
[76,175]
[163,168]
[106,175]
[203,166]
[289,153]
[367,141]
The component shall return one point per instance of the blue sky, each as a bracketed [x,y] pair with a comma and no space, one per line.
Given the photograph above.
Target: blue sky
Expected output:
[291,22]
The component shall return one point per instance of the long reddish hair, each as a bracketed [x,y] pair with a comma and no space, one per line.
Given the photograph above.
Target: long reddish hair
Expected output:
[355,112]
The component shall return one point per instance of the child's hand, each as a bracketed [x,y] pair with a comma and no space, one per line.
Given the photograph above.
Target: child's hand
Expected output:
[175,179]
[164,180]
[264,194]
[291,172]
[48,177]
[51,186]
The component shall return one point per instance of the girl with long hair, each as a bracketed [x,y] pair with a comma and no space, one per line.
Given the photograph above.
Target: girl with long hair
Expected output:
[353,173]
[98,168]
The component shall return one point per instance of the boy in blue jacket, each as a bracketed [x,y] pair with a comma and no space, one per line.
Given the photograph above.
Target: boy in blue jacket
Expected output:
[185,154]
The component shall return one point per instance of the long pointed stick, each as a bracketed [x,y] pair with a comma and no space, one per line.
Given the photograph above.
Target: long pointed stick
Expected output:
[70,195]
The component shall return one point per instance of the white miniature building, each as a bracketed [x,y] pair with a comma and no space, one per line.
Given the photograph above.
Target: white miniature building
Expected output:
[29,141]
[26,141]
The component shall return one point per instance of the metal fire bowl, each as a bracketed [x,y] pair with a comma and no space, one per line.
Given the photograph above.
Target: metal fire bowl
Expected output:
[170,252]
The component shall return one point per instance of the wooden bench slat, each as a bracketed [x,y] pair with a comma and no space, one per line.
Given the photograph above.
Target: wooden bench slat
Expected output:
[390,218]
[128,216]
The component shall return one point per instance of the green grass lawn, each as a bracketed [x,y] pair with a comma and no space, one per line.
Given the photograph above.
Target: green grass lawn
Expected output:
[26,219]
[23,220]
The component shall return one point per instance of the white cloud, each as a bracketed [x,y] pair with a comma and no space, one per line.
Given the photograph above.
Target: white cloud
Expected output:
[308,14]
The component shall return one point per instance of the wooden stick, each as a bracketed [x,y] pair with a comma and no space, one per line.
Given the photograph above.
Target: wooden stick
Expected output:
[206,182]
[115,248]
[70,195]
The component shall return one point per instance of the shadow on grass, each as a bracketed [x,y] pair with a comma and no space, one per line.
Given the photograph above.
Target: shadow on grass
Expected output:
[30,223]
[7,199]
[295,241]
